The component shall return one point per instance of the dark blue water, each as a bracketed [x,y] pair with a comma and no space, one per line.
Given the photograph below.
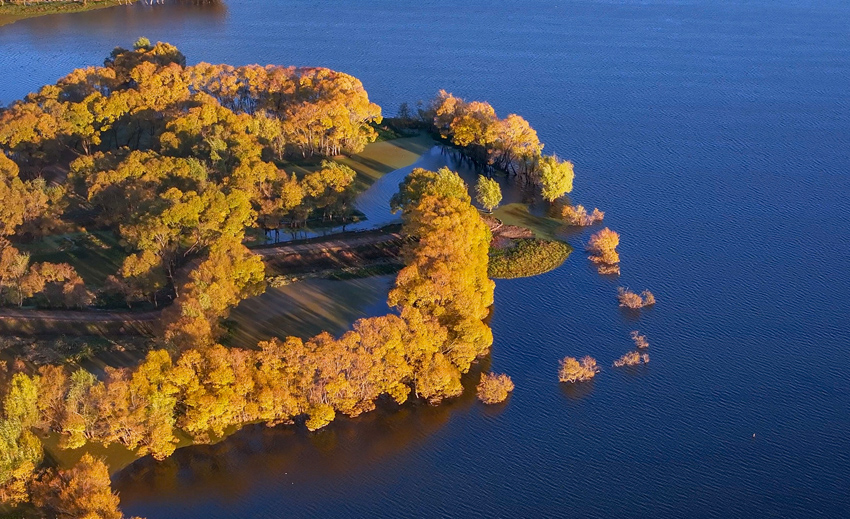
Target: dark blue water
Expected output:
[716,136]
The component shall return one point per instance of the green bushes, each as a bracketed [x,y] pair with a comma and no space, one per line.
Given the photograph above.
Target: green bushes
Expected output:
[529,257]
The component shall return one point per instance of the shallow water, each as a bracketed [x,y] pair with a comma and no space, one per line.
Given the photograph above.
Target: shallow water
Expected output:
[714,133]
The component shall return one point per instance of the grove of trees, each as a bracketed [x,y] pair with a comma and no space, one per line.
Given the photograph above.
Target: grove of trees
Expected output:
[508,144]
[178,161]
[440,300]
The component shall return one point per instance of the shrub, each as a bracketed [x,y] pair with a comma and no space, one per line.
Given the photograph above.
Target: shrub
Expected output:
[633,300]
[320,416]
[629,299]
[640,340]
[603,248]
[604,268]
[494,388]
[577,215]
[529,257]
[574,371]
[631,358]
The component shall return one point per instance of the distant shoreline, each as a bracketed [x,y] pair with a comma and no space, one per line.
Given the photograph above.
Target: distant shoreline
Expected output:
[11,13]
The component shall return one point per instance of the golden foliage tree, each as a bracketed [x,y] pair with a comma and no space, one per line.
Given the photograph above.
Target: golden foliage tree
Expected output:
[603,248]
[574,371]
[578,216]
[494,388]
[82,491]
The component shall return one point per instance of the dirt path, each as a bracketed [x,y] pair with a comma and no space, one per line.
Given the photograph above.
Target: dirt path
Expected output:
[336,243]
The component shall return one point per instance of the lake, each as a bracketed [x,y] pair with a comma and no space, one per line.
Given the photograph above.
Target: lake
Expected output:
[715,134]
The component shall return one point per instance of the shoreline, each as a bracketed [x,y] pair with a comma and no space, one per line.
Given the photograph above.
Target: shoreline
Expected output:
[12,13]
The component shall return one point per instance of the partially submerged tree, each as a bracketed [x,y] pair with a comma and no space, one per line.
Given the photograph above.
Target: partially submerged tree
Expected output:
[578,216]
[574,371]
[640,340]
[603,248]
[556,177]
[632,300]
[488,194]
[632,358]
[494,388]
[82,491]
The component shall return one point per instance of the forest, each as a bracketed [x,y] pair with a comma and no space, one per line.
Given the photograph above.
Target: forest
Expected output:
[170,168]
[178,162]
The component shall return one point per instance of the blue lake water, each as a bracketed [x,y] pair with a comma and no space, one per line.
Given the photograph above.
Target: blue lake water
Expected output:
[715,134]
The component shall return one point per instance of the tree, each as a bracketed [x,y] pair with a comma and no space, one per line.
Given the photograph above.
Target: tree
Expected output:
[493,388]
[230,274]
[574,371]
[14,267]
[488,194]
[556,177]
[421,182]
[82,491]
[640,340]
[603,248]
[632,358]
[20,450]
[633,300]
[330,188]
[577,215]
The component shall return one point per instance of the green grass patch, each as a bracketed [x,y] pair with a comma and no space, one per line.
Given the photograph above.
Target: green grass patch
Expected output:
[519,215]
[10,13]
[375,161]
[94,255]
[304,309]
[529,257]
[39,326]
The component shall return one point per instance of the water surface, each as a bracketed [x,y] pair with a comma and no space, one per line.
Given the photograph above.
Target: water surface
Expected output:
[715,135]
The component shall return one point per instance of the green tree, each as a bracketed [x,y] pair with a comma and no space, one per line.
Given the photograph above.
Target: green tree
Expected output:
[422,182]
[556,177]
[488,194]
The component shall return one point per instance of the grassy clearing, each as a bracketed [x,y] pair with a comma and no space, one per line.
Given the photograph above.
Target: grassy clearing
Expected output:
[94,255]
[519,215]
[36,326]
[375,161]
[305,308]
[11,13]
[93,353]
[529,257]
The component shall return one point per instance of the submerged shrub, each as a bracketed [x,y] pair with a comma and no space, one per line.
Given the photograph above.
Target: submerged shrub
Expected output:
[640,340]
[633,300]
[574,371]
[577,215]
[603,249]
[631,358]
[494,388]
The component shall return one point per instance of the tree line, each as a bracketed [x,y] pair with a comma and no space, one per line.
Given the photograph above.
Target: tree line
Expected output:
[437,329]
[178,161]
[488,142]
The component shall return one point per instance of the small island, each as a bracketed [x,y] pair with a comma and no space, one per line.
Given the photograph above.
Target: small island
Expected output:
[138,199]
